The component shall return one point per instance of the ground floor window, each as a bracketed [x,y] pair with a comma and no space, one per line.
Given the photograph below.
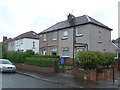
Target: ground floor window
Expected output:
[43,52]
[53,51]
[65,52]
[80,49]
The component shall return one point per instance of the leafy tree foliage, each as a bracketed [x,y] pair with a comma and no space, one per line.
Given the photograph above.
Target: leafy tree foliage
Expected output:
[93,59]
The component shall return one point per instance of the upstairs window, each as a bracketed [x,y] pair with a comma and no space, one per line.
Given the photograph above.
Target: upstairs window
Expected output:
[99,37]
[65,34]
[44,37]
[54,36]
[33,44]
[79,31]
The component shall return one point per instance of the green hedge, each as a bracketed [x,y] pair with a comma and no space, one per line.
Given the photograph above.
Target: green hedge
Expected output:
[40,62]
[94,59]
[17,57]
[45,56]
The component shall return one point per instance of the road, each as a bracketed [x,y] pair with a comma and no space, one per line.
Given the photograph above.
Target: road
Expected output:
[10,80]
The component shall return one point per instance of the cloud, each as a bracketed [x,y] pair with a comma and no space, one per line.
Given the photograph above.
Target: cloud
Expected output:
[19,16]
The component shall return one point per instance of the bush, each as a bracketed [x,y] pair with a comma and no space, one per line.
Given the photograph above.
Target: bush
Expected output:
[40,62]
[87,59]
[30,52]
[45,56]
[93,59]
[108,59]
[16,57]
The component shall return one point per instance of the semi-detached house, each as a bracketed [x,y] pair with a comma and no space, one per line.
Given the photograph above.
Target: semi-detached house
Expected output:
[76,34]
[26,41]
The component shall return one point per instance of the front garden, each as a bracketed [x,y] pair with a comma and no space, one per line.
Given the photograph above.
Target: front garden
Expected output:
[99,65]
[94,65]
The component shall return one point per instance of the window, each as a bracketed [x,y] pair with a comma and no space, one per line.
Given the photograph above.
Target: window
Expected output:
[99,37]
[65,34]
[99,34]
[33,44]
[79,31]
[44,37]
[65,52]
[54,36]
[43,52]
[53,51]
[80,48]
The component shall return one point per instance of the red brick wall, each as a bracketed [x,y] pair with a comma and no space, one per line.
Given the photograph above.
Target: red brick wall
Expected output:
[92,74]
[36,69]
[117,62]
[68,61]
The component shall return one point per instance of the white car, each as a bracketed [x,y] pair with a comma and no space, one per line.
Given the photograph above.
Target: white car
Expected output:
[6,66]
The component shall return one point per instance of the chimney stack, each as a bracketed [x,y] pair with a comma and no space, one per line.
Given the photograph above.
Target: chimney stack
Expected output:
[71,19]
[4,38]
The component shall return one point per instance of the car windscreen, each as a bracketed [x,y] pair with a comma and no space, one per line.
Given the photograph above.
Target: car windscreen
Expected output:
[6,62]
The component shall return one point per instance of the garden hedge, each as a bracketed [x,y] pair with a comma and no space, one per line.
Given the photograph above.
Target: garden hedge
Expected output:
[40,62]
[17,57]
[45,56]
[93,59]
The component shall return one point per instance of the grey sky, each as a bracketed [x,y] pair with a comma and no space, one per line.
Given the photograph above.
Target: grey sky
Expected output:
[19,16]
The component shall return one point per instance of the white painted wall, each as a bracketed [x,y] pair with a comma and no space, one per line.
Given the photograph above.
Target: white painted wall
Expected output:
[24,44]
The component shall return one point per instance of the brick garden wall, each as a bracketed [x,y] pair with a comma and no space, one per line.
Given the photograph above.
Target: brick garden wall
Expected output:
[37,69]
[68,61]
[93,74]
[117,62]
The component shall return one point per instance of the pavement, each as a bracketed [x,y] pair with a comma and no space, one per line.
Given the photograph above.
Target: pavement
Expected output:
[72,81]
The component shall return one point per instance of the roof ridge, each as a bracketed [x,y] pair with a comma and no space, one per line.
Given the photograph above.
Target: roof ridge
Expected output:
[84,19]
[88,18]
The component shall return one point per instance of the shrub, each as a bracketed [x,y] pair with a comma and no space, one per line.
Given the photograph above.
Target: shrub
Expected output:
[30,52]
[87,59]
[94,59]
[45,56]
[16,57]
[40,62]
[108,59]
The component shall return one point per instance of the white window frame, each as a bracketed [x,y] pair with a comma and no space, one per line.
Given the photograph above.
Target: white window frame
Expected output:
[54,36]
[65,49]
[99,37]
[77,31]
[43,52]
[80,49]
[65,34]
[44,37]
[53,50]
[33,44]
